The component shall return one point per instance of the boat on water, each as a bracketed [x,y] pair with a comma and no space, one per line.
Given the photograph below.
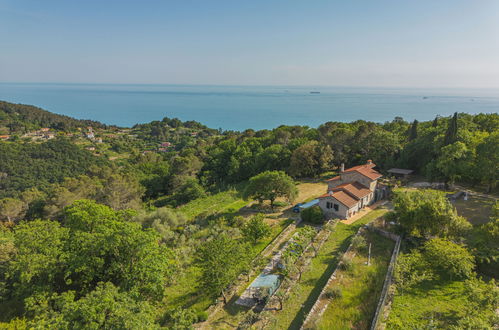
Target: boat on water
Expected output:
[314,92]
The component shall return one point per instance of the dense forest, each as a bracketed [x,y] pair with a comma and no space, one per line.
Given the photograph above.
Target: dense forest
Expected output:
[92,224]
[21,118]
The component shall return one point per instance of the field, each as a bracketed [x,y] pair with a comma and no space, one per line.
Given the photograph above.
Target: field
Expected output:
[305,293]
[417,307]
[360,287]
[226,201]
[476,209]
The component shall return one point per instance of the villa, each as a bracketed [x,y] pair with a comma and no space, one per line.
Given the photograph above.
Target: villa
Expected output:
[351,191]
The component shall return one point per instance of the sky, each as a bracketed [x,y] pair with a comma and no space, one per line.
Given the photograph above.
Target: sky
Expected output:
[424,43]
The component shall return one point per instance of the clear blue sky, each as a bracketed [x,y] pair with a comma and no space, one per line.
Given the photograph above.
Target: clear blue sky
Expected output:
[423,43]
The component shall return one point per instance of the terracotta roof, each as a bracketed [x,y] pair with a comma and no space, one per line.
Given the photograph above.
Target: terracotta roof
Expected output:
[355,189]
[343,198]
[366,170]
[334,179]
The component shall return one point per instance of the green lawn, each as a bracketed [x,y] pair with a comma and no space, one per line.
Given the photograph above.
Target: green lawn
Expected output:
[226,201]
[425,303]
[361,287]
[304,294]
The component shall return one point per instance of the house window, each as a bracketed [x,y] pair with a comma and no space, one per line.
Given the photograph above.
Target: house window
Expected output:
[336,207]
[328,205]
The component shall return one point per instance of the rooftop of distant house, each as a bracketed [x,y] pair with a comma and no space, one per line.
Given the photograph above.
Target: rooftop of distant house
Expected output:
[365,169]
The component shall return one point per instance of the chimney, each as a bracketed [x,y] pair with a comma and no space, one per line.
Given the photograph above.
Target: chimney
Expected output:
[369,162]
[342,168]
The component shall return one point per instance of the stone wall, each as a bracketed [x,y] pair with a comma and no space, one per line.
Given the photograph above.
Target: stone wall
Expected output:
[389,275]
[317,310]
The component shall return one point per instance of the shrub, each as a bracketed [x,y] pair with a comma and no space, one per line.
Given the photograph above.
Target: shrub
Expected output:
[313,214]
[333,293]
[346,263]
[256,229]
[202,316]
[280,204]
[359,243]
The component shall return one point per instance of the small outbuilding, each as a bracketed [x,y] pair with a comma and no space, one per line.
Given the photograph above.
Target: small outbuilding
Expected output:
[400,172]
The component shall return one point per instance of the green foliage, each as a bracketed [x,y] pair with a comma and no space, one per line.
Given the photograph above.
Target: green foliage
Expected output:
[165,221]
[256,228]
[448,259]
[20,118]
[485,243]
[455,305]
[189,191]
[413,131]
[310,159]
[411,269]
[103,308]
[38,165]
[426,213]
[221,260]
[487,160]
[438,258]
[94,244]
[270,185]
[451,134]
[182,319]
[11,209]
[333,293]
[359,243]
[127,255]
[313,214]
[38,265]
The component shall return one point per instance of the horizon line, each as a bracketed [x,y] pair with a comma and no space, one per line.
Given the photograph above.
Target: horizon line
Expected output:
[241,85]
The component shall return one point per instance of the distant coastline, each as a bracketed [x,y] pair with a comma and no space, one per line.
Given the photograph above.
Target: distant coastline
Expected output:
[242,107]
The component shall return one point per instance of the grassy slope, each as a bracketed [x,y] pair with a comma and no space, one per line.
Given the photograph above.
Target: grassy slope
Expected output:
[361,288]
[415,307]
[226,201]
[305,293]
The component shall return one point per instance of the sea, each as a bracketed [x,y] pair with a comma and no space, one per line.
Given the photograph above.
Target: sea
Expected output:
[242,107]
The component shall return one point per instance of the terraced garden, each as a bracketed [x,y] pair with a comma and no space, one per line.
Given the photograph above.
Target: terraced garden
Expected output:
[358,287]
[305,292]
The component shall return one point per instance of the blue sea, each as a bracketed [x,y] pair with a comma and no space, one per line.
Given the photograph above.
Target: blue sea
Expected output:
[242,107]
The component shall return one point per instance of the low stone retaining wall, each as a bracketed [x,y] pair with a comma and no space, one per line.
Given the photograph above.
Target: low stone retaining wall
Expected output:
[389,274]
[316,311]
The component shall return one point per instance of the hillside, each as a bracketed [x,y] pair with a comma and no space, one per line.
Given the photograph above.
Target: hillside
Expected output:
[21,118]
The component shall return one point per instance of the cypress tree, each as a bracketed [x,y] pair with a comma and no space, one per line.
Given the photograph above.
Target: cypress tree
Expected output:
[413,131]
[435,121]
[451,134]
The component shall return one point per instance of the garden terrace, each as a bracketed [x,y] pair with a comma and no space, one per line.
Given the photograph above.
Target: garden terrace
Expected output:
[305,292]
[358,286]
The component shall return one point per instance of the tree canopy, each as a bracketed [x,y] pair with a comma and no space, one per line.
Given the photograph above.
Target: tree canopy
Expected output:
[428,213]
[270,185]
